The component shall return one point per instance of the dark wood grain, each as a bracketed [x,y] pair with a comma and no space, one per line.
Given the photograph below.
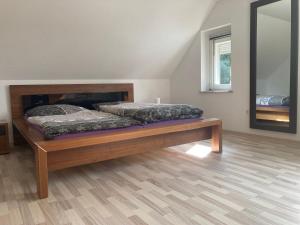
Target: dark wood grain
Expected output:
[4,139]
[17,91]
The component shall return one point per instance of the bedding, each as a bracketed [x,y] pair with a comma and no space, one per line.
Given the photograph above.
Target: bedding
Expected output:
[272,100]
[83,121]
[51,110]
[131,128]
[150,113]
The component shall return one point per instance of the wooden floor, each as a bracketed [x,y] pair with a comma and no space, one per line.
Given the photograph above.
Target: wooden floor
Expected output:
[255,181]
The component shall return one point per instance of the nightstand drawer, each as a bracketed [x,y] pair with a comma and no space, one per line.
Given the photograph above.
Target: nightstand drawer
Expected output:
[4,138]
[3,131]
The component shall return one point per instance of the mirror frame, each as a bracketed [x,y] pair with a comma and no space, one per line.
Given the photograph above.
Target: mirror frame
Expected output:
[292,128]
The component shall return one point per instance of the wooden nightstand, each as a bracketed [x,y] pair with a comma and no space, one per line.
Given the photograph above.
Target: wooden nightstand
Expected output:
[4,143]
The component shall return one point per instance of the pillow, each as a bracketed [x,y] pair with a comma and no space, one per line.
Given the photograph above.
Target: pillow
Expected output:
[97,106]
[51,110]
[88,100]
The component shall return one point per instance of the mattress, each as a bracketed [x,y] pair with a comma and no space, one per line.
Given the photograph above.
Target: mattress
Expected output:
[150,113]
[79,122]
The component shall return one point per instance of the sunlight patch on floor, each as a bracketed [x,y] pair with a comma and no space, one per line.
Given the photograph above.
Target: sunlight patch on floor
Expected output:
[200,151]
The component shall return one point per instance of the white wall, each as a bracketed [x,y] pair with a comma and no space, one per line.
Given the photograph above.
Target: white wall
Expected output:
[232,108]
[96,39]
[273,55]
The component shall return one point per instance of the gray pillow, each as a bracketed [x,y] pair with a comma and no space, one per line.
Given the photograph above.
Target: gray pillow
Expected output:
[97,106]
[51,110]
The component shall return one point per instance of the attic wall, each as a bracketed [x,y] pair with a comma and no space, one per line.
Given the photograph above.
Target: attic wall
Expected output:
[96,39]
[232,108]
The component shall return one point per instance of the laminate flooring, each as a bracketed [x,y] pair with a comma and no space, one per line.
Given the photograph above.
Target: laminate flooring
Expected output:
[255,181]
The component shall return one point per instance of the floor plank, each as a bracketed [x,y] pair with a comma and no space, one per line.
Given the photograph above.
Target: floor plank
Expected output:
[255,181]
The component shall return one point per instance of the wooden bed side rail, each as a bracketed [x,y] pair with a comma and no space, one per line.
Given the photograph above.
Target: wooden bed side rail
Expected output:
[97,153]
[57,145]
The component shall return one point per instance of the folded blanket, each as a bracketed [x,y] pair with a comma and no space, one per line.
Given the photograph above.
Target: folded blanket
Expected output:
[83,121]
[149,112]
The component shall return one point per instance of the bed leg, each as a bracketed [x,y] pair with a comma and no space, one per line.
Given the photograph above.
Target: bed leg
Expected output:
[216,142]
[41,173]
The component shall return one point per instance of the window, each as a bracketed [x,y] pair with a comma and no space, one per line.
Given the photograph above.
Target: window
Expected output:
[216,59]
[220,63]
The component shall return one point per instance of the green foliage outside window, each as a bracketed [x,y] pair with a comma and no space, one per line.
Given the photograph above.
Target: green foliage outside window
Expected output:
[225,72]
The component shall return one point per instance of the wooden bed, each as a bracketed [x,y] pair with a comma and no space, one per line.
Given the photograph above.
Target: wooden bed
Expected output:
[273,113]
[54,154]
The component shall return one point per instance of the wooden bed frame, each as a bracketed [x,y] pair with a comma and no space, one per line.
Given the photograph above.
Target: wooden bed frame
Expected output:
[273,113]
[58,154]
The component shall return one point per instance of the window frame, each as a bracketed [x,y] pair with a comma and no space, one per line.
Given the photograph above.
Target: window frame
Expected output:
[213,86]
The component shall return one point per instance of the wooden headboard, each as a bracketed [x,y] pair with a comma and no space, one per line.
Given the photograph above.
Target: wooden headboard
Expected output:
[17,92]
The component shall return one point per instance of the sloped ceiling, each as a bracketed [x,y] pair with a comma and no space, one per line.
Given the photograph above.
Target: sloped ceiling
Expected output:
[87,39]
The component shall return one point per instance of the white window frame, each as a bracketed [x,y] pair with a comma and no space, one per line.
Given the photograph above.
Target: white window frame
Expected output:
[214,76]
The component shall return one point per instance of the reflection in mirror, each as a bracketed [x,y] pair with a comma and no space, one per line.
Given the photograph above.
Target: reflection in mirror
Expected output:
[273,62]
[274,51]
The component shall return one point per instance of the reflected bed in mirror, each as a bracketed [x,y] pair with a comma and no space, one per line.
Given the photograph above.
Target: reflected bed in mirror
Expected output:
[273,108]
[274,52]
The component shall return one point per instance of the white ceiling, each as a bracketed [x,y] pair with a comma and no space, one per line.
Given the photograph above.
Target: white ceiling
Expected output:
[280,10]
[74,39]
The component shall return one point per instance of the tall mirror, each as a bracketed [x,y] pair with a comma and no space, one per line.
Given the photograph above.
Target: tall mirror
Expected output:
[274,65]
